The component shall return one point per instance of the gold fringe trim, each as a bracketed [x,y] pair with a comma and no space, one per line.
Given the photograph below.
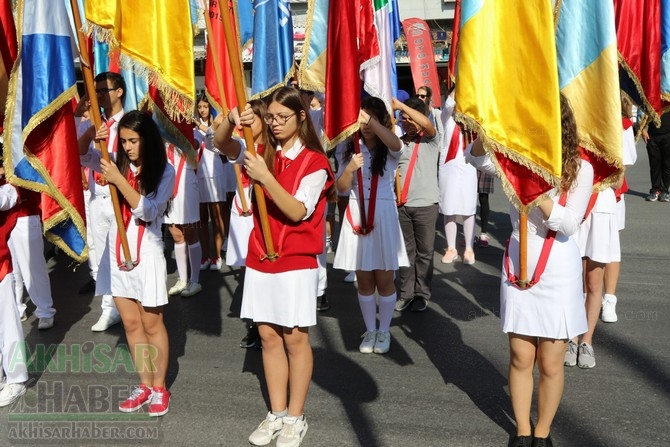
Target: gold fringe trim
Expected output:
[646,105]
[349,131]
[281,84]
[492,147]
[181,141]
[611,160]
[557,14]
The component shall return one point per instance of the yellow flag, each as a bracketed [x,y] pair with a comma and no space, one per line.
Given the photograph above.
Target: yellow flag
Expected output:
[156,38]
[507,90]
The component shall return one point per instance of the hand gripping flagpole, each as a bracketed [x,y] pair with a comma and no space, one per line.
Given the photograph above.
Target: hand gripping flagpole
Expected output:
[219,84]
[236,68]
[97,122]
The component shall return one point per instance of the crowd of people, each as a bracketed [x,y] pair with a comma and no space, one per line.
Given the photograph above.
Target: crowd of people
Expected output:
[389,183]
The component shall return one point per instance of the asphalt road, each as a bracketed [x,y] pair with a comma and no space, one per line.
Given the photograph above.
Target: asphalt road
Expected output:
[442,384]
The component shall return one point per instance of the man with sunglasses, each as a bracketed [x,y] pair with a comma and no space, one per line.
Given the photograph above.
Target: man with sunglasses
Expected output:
[110,89]
[425,94]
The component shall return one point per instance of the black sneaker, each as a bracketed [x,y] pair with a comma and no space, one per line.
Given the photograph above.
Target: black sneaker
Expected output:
[653,196]
[322,303]
[664,197]
[419,305]
[89,287]
[403,303]
[252,339]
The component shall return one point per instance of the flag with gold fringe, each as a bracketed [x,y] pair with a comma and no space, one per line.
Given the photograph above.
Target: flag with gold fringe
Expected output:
[156,40]
[39,135]
[638,33]
[507,91]
[312,70]
[586,45]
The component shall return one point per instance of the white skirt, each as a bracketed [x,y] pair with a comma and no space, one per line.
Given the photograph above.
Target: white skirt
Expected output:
[238,239]
[146,283]
[212,189]
[382,249]
[598,238]
[552,308]
[185,207]
[229,179]
[621,213]
[457,181]
[287,299]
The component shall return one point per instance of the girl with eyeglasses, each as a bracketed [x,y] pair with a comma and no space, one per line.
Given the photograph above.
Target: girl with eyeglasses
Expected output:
[145,182]
[280,295]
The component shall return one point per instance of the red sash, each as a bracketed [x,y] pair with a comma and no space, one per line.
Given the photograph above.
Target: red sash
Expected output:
[127,215]
[111,146]
[410,171]
[542,260]
[180,168]
[454,143]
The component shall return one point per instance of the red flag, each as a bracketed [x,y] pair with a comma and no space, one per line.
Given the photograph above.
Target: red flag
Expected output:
[177,131]
[228,100]
[421,56]
[453,51]
[638,30]
[342,75]
[8,49]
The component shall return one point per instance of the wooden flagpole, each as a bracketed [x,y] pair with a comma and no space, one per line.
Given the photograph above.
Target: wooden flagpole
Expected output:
[219,84]
[236,66]
[97,122]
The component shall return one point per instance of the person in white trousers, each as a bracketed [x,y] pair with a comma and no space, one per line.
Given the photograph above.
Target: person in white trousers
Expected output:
[13,373]
[30,268]
[110,89]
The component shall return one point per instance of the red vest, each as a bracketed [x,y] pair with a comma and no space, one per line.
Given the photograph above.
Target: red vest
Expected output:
[296,243]
[7,222]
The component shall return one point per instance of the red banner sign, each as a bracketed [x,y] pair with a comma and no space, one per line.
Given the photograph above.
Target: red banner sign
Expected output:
[422,57]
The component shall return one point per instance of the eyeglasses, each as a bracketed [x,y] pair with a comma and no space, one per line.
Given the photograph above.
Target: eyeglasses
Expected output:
[422,96]
[102,91]
[280,119]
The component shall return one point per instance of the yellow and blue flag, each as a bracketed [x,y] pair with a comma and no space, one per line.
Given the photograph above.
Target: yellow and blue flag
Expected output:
[507,91]
[586,45]
[312,69]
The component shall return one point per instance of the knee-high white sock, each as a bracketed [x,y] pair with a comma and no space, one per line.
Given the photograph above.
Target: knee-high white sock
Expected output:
[450,230]
[194,257]
[386,308]
[369,311]
[182,261]
[469,231]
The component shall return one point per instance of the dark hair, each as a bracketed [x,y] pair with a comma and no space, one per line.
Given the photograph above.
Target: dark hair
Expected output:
[376,108]
[292,99]
[429,91]
[416,104]
[259,107]
[152,151]
[116,80]
[570,146]
[203,98]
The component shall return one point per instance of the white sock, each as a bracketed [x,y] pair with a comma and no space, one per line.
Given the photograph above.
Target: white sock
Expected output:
[182,261]
[281,414]
[469,231]
[369,311]
[194,257]
[386,308]
[450,231]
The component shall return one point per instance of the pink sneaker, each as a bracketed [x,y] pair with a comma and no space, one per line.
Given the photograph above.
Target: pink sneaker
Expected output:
[160,402]
[483,240]
[468,257]
[450,256]
[140,396]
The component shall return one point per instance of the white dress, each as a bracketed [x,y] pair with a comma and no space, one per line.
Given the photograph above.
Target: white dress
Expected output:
[211,172]
[598,236]
[185,207]
[146,282]
[240,225]
[286,299]
[384,247]
[554,307]
[457,179]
